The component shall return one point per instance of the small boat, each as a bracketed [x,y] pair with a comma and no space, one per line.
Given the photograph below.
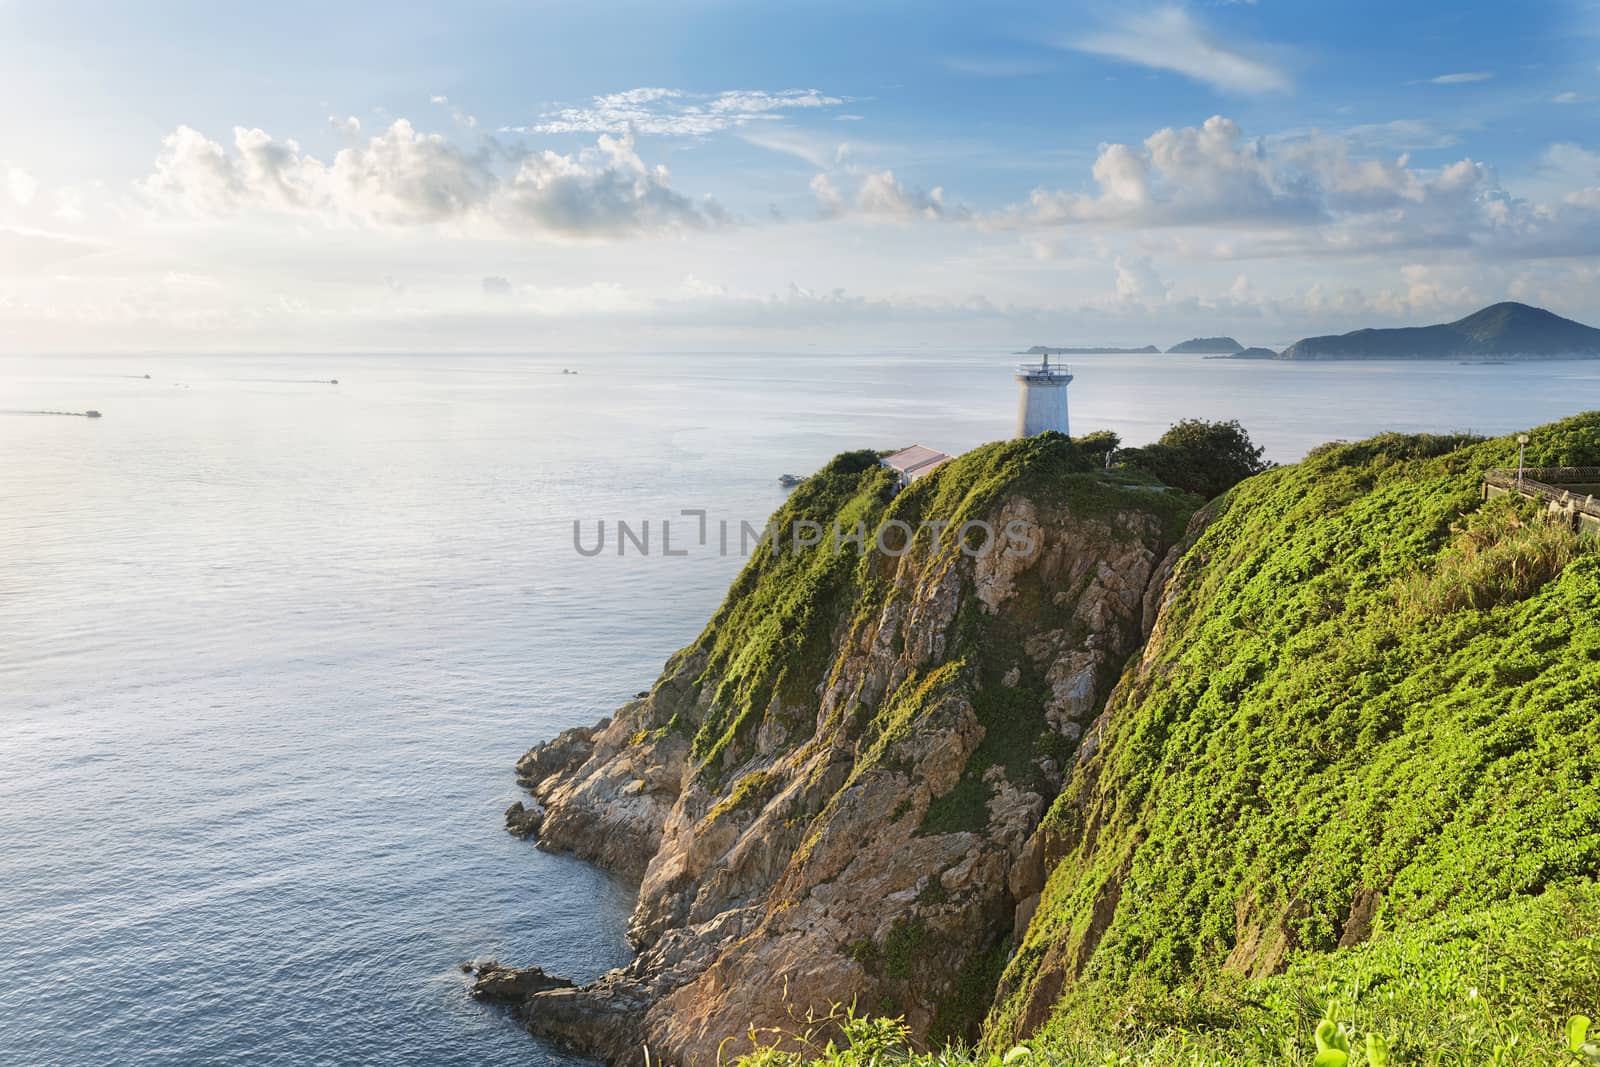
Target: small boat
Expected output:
[91,414]
[789,481]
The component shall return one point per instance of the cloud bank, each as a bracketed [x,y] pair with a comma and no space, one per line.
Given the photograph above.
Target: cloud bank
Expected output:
[1308,196]
[403,177]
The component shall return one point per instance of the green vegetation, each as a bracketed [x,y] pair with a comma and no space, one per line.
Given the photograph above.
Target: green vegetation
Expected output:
[773,643]
[1348,809]
[1512,986]
[1204,458]
[1504,553]
[1505,329]
[1099,444]
[1375,700]
[770,642]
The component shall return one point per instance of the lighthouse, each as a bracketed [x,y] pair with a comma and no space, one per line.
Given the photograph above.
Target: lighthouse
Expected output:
[1042,404]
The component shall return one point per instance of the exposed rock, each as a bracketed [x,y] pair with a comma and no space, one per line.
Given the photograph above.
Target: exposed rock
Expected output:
[567,750]
[1358,924]
[871,832]
[523,821]
[513,985]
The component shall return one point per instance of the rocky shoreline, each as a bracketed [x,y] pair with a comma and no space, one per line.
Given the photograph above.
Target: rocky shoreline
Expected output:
[870,831]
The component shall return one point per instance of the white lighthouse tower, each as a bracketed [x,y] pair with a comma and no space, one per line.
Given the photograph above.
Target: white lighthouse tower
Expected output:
[1042,404]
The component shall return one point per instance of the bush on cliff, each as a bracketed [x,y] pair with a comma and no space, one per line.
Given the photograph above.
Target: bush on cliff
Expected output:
[1204,458]
[1098,445]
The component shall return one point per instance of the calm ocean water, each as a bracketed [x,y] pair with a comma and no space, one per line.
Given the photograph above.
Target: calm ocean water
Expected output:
[269,648]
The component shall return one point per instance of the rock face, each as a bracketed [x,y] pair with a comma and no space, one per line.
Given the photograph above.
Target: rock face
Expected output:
[833,793]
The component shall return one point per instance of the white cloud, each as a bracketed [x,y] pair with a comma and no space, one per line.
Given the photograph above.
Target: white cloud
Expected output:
[1570,97]
[1316,196]
[1564,166]
[829,199]
[674,112]
[1169,38]
[754,101]
[1463,77]
[21,185]
[879,194]
[402,177]
[818,151]
[883,194]
[1137,281]
[1191,176]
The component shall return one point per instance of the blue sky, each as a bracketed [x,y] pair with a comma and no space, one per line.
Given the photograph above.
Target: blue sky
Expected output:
[709,175]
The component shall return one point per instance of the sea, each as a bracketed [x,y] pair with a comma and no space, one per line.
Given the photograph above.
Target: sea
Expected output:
[270,647]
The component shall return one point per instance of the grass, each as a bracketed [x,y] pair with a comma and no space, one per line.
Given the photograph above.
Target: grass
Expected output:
[1369,684]
[1499,987]
[1351,791]
[1503,553]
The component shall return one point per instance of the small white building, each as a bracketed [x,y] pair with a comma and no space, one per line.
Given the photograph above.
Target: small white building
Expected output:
[912,463]
[1042,404]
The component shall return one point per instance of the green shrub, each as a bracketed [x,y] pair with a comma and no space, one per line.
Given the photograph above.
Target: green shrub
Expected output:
[1204,458]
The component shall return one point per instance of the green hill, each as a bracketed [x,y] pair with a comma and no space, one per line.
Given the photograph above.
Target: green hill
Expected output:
[1507,329]
[1354,775]
[1207,346]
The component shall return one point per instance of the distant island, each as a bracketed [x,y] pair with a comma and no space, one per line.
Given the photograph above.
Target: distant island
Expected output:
[1044,350]
[1507,330]
[1503,331]
[1207,346]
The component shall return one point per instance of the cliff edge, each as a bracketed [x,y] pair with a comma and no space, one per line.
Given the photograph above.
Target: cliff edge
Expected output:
[833,792]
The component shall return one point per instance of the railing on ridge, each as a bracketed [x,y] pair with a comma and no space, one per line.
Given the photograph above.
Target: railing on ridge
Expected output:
[1545,483]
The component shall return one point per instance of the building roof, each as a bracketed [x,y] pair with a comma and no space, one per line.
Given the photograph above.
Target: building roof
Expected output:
[915,461]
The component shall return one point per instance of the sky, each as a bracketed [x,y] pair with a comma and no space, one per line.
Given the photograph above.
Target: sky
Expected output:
[718,176]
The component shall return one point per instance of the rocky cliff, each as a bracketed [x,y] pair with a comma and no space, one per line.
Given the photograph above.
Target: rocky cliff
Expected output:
[833,793]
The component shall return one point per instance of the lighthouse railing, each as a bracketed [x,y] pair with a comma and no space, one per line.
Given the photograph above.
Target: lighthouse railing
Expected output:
[1044,370]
